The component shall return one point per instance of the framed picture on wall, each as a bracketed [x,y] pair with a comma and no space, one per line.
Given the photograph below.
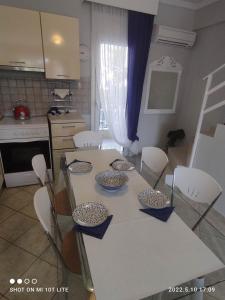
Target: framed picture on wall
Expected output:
[162,86]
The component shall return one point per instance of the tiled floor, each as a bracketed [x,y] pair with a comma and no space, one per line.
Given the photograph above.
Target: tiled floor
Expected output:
[25,251]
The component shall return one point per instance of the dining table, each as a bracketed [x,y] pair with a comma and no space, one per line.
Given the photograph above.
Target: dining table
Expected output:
[139,256]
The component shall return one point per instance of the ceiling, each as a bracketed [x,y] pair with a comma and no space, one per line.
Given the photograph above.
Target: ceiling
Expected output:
[191,4]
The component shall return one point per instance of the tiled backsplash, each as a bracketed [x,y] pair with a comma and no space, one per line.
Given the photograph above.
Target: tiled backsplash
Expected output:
[35,89]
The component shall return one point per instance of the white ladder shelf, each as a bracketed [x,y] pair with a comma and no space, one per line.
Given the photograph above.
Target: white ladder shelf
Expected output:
[208,91]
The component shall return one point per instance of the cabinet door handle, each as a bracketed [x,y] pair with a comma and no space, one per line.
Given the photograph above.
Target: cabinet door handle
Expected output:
[68,126]
[61,75]
[17,62]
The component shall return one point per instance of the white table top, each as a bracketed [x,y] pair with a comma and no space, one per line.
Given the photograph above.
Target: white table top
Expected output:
[139,255]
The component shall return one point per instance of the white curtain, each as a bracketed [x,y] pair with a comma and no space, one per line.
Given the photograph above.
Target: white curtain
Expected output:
[110,51]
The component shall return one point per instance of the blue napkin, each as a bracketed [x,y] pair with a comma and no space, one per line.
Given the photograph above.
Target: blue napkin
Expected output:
[97,231]
[162,214]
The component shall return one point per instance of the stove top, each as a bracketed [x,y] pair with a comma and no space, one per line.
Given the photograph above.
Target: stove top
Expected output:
[33,122]
[36,127]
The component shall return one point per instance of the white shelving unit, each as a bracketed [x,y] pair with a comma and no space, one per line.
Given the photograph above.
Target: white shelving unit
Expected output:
[208,151]
[208,91]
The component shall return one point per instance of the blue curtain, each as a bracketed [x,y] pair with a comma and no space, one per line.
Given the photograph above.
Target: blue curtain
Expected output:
[140,27]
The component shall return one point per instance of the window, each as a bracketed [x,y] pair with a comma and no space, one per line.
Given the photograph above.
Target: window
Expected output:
[113,68]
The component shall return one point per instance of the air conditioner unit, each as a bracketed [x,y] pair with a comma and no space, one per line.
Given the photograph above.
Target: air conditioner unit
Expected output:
[175,36]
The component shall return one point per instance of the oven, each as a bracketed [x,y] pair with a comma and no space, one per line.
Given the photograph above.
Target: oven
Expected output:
[18,145]
[16,159]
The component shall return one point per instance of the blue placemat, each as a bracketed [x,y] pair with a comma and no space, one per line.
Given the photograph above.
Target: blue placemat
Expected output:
[162,214]
[97,231]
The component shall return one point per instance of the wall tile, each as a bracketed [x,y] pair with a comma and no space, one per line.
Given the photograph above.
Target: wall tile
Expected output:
[28,83]
[4,82]
[12,83]
[20,83]
[36,91]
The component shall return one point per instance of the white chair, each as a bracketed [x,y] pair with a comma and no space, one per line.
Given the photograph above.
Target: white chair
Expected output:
[69,250]
[40,169]
[61,203]
[196,185]
[88,139]
[156,160]
[69,253]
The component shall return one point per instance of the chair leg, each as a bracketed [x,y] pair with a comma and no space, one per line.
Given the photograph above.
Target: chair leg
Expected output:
[205,213]
[172,192]
[199,283]
[160,176]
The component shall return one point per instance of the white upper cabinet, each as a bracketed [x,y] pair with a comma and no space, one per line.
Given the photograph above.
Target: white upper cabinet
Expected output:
[20,38]
[61,46]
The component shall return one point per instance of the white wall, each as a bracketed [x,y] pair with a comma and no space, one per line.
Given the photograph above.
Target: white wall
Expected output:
[174,16]
[207,55]
[145,6]
[210,15]
[152,129]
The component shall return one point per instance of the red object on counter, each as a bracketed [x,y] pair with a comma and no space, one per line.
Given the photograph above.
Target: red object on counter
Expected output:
[21,112]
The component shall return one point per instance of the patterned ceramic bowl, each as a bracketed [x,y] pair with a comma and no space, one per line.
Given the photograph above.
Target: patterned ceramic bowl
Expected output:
[111,180]
[80,167]
[153,199]
[90,214]
[122,165]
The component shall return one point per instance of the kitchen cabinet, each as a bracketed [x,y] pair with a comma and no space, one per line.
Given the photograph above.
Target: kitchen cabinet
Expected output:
[61,46]
[20,38]
[62,129]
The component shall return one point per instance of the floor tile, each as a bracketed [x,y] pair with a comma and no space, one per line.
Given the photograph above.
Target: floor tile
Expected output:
[212,278]
[220,291]
[5,212]
[29,211]
[4,298]
[34,240]
[31,188]
[17,200]
[3,245]
[58,296]
[216,244]
[15,226]
[14,262]
[49,256]
[9,191]
[46,276]
[76,288]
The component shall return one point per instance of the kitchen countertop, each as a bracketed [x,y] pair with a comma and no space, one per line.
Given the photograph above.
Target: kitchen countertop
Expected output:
[10,122]
[71,117]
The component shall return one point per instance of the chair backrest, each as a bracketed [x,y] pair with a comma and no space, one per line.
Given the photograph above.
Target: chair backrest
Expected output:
[88,139]
[47,218]
[154,158]
[42,206]
[196,184]
[39,167]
